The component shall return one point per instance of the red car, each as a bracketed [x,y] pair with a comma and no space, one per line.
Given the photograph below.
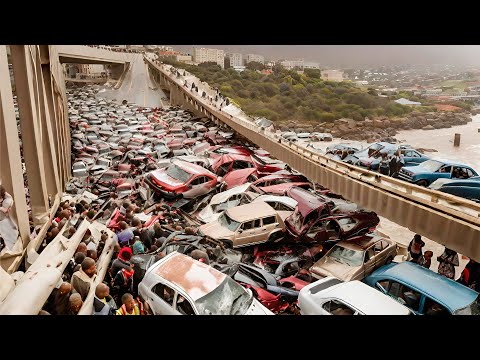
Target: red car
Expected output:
[316,218]
[181,179]
[279,183]
[239,177]
[226,163]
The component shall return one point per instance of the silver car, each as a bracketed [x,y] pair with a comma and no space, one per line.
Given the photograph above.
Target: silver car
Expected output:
[356,258]
[180,285]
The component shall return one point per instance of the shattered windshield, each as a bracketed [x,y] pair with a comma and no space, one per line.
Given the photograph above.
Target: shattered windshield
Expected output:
[228,222]
[346,256]
[178,173]
[229,298]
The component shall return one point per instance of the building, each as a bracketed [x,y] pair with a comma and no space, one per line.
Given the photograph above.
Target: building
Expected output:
[292,64]
[254,57]
[332,75]
[361,82]
[403,101]
[236,59]
[239,68]
[201,55]
[184,58]
[311,65]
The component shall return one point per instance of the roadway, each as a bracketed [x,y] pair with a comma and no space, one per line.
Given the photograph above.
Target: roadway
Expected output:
[137,87]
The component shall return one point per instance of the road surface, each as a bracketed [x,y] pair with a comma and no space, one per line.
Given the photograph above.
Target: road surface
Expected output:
[137,87]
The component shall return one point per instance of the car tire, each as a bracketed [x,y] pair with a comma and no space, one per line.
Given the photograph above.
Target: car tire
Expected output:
[423,183]
[389,260]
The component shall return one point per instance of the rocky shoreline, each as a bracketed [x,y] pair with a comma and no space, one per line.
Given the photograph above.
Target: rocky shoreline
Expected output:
[385,128]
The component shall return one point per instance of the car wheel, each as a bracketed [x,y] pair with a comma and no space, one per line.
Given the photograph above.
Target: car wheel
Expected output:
[423,183]
[389,260]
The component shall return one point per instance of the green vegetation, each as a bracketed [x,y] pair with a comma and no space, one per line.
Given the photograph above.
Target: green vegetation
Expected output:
[286,95]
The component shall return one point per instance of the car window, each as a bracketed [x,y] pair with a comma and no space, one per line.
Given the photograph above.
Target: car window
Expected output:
[445,169]
[257,223]
[431,307]
[336,307]
[369,254]
[269,220]
[469,173]
[379,246]
[383,285]
[164,292]
[200,180]
[183,306]
[247,225]
[405,295]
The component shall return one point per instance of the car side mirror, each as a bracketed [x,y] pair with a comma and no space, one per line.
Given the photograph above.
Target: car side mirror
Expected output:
[240,231]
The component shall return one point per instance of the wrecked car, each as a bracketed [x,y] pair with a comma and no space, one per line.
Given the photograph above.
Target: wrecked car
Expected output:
[226,200]
[246,225]
[171,287]
[181,179]
[315,219]
[356,258]
[239,177]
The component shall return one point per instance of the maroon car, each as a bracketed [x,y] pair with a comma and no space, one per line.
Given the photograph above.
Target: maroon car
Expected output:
[226,163]
[318,218]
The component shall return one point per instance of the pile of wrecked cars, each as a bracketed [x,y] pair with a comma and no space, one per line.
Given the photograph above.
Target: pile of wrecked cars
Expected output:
[252,230]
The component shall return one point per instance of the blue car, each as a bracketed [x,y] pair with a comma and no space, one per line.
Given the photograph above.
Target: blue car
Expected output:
[424,291]
[466,188]
[412,157]
[427,172]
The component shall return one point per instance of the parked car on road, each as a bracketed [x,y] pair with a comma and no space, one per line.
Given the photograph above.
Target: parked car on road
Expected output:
[424,291]
[331,296]
[431,170]
[466,188]
[356,258]
[180,285]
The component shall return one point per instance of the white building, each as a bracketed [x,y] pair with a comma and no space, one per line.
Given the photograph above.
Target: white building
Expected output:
[311,65]
[184,58]
[332,75]
[254,57]
[236,59]
[291,64]
[239,68]
[201,55]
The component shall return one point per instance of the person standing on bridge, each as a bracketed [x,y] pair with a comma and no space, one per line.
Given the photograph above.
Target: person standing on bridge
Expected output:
[82,279]
[448,260]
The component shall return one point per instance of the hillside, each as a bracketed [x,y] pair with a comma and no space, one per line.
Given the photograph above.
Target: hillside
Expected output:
[286,95]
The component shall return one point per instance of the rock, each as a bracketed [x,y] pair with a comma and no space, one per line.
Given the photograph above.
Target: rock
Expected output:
[428,127]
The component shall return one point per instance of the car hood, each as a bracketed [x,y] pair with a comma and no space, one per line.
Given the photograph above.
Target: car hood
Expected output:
[439,183]
[216,231]
[416,170]
[329,267]
[207,215]
[161,176]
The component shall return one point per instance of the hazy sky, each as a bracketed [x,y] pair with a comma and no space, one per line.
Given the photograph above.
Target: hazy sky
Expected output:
[360,54]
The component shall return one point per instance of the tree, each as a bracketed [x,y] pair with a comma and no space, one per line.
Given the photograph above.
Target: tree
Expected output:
[255,65]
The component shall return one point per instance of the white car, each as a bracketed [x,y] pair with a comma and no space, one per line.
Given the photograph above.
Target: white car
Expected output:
[331,296]
[178,284]
[226,200]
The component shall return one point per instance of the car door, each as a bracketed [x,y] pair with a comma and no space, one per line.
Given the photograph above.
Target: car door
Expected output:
[404,294]
[198,186]
[380,249]
[161,299]
[269,224]
[247,233]
[368,264]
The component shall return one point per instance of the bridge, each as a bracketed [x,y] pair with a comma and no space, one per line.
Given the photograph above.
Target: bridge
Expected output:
[45,136]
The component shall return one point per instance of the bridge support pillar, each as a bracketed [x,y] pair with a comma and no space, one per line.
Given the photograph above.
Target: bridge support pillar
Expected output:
[11,174]
[26,81]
